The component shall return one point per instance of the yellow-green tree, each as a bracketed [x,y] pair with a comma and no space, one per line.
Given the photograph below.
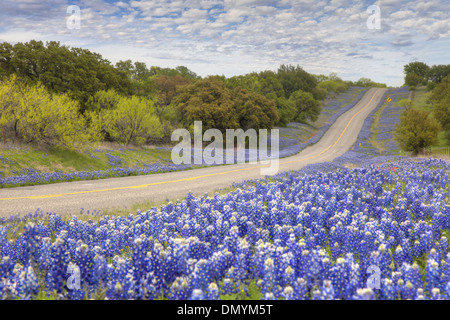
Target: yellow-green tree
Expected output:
[134,120]
[10,97]
[52,120]
[34,115]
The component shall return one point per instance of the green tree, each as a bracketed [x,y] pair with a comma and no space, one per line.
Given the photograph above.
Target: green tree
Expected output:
[103,100]
[412,79]
[306,107]
[366,82]
[319,93]
[186,73]
[254,110]
[419,68]
[209,101]
[417,130]
[11,94]
[295,78]
[286,111]
[167,87]
[77,72]
[126,67]
[438,72]
[53,120]
[335,86]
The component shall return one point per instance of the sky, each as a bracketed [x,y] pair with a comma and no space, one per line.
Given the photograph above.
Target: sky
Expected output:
[372,39]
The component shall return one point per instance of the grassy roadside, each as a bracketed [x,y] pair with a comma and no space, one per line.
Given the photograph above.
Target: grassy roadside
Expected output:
[17,159]
[375,129]
[27,160]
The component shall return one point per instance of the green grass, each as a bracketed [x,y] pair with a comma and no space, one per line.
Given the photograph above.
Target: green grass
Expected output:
[374,129]
[420,99]
[253,293]
[17,158]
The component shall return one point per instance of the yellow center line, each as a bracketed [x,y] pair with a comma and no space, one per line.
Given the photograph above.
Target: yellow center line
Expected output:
[196,177]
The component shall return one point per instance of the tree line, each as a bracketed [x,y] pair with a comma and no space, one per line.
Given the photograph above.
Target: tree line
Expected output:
[57,95]
[419,73]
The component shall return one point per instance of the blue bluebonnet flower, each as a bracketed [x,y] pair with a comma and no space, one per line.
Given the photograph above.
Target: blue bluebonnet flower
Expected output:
[288,235]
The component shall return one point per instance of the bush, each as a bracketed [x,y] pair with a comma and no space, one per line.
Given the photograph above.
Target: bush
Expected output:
[431,86]
[417,130]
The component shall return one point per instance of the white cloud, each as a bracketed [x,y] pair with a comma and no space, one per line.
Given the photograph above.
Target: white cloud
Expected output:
[240,36]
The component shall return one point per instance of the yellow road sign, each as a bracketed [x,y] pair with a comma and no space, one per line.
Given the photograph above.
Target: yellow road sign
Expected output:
[389,99]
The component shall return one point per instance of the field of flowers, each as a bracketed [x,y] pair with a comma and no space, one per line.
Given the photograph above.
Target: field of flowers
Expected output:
[317,235]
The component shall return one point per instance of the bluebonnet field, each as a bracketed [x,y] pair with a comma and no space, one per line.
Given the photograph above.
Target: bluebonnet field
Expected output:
[318,233]
[289,145]
[298,236]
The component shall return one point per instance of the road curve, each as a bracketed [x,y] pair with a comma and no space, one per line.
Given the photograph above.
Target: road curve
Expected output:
[69,197]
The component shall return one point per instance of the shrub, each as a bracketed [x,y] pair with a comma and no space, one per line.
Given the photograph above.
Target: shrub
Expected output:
[417,130]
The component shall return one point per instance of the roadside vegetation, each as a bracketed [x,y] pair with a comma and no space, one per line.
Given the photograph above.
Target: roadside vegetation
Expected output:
[425,121]
[68,110]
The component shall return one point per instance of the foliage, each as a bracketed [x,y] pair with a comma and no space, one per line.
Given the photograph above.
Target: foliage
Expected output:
[417,130]
[420,73]
[440,99]
[438,72]
[420,69]
[405,103]
[36,116]
[103,100]
[279,86]
[254,110]
[145,80]
[286,111]
[210,101]
[294,78]
[366,82]
[10,99]
[74,71]
[134,120]
[306,107]
[167,87]
[412,79]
